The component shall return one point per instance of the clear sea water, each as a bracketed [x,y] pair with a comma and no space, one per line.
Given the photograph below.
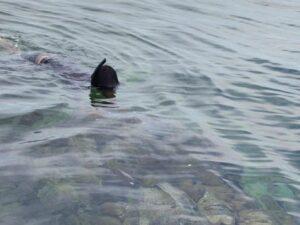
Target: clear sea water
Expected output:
[208,105]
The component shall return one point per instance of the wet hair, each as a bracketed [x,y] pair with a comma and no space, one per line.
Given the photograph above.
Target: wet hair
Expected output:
[104,77]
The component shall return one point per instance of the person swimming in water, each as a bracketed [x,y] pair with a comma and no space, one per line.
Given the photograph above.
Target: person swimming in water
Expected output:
[104,77]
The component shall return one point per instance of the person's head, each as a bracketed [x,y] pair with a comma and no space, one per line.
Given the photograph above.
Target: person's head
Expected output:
[104,77]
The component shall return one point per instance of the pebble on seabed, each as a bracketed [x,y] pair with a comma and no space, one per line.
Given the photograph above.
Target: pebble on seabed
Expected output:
[195,190]
[217,212]
[249,217]
[113,209]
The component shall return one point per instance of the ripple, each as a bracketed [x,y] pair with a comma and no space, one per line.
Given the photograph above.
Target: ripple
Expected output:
[284,70]
[207,106]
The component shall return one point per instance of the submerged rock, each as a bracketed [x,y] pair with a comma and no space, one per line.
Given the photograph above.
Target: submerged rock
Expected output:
[216,211]
[154,196]
[157,208]
[265,190]
[89,219]
[144,221]
[131,221]
[250,217]
[236,200]
[195,190]
[58,196]
[181,199]
[275,211]
[148,182]
[209,178]
[183,211]
[10,210]
[107,220]
[191,220]
[179,220]
[113,209]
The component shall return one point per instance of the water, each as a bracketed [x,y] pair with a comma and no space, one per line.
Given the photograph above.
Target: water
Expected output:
[205,126]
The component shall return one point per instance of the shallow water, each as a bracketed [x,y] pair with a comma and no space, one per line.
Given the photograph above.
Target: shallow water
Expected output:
[208,106]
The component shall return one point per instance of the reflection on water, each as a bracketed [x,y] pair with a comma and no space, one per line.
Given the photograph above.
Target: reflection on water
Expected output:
[203,130]
[104,98]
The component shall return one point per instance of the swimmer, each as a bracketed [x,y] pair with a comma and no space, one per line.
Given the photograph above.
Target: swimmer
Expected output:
[103,78]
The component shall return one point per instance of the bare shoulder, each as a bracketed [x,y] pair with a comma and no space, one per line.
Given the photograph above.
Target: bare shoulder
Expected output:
[8,45]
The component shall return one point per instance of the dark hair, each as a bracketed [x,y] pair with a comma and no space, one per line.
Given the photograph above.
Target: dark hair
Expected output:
[104,77]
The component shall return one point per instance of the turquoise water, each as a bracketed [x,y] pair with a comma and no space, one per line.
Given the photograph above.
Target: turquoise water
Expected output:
[204,128]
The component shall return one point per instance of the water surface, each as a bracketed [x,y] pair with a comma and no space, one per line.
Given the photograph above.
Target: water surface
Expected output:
[205,124]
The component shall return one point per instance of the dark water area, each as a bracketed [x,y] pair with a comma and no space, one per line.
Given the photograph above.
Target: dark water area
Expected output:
[204,128]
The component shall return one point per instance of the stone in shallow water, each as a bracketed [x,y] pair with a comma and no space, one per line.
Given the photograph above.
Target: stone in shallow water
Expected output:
[176,209]
[113,209]
[58,196]
[10,210]
[191,220]
[264,191]
[210,179]
[148,182]
[216,211]
[89,219]
[157,207]
[276,211]
[223,192]
[154,196]
[220,219]
[86,179]
[131,221]
[181,199]
[194,189]
[107,220]
[234,199]
[144,221]
[251,217]
[178,220]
